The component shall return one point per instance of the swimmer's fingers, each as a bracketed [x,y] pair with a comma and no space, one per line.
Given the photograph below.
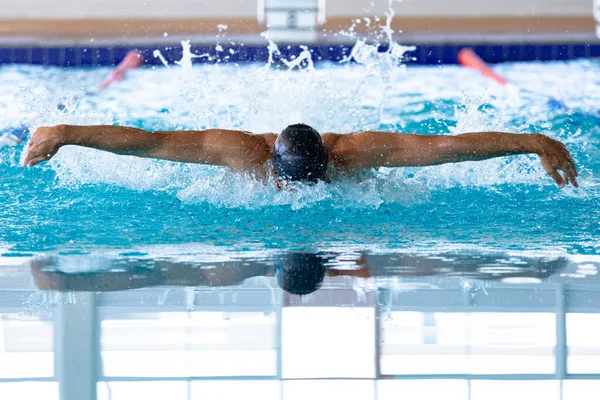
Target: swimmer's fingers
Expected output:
[43,145]
[37,154]
[555,156]
[571,174]
[574,170]
[32,156]
[28,157]
[37,160]
[31,150]
[572,165]
[558,179]
[553,172]
[29,154]
[567,165]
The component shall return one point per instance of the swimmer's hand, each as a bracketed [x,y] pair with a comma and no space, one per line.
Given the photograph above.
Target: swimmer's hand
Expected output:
[44,144]
[555,157]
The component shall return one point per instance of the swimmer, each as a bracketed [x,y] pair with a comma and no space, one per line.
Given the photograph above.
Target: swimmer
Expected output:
[296,272]
[300,153]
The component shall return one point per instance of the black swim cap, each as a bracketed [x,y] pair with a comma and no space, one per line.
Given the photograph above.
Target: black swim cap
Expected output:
[300,273]
[299,154]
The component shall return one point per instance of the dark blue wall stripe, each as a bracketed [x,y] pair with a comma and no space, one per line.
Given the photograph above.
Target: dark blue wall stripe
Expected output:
[424,54]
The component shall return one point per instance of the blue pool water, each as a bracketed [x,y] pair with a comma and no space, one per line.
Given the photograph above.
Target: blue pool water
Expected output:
[87,202]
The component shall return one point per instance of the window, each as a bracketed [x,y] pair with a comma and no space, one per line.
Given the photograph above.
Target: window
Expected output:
[187,344]
[446,389]
[467,343]
[515,390]
[225,390]
[328,342]
[580,390]
[583,343]
[329,389]
[26,347]
[142,390]
[29,390]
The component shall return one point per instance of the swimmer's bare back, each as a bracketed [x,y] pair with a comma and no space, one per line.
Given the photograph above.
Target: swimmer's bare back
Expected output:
[244,151]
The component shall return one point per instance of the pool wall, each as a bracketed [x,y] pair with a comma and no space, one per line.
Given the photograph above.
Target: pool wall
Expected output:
[99,32]
[425,54]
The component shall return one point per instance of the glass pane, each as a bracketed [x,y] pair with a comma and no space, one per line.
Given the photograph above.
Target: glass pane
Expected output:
[180,344]
[26,347]
[467,343]
[29,390]
[515,390]
[512,343]
[142,390]
[328,390]
[422,389]
[583,343]
[328,342]
[580,390]
[225,390]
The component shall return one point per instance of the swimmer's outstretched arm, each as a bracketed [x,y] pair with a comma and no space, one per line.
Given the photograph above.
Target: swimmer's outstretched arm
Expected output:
[375,149]
[231,148]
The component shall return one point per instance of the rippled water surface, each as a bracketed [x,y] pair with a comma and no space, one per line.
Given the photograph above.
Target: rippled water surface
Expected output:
[86,201]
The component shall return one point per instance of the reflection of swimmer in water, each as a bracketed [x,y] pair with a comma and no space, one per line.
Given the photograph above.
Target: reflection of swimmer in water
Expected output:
[300,153]
[297,272]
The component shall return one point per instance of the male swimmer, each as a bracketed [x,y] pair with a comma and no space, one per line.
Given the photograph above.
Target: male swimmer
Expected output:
[300,153]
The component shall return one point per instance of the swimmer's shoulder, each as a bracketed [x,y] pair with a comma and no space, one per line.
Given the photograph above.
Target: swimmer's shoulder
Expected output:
[330,139]
[332,143]
[268,138]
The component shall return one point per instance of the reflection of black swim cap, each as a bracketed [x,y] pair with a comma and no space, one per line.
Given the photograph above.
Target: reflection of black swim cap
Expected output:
[299,154]
[300,273]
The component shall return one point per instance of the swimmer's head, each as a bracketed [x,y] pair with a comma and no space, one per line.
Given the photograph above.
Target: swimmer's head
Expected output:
[299,154]
[301,273]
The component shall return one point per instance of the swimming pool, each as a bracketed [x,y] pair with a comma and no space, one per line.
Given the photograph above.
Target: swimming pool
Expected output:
[182,281]
[89,202]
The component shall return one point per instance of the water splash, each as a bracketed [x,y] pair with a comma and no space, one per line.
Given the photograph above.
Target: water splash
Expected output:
[258,99]
[305,57]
